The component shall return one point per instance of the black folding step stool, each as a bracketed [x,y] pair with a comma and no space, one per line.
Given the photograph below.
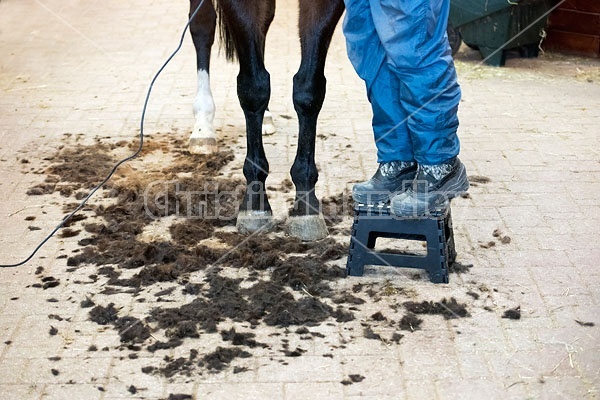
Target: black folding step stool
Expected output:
[371,222]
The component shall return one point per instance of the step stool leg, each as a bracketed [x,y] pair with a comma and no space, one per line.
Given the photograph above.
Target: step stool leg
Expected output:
[360,241]
[354,265]
[450,238]
[438,272]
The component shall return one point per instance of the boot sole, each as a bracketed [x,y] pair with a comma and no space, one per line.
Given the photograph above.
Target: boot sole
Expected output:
[371,198]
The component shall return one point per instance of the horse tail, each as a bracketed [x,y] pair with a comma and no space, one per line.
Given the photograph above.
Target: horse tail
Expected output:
[225,34]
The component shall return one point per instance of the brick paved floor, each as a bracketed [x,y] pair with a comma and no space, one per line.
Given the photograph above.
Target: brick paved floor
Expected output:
[532,128]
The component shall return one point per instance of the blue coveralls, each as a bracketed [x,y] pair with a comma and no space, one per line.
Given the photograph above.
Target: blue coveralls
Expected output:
[401,50]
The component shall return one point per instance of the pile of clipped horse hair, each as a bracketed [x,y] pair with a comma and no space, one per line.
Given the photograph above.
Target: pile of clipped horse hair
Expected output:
[197,276]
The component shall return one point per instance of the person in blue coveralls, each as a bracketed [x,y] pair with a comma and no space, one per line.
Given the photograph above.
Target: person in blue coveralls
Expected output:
[400,49]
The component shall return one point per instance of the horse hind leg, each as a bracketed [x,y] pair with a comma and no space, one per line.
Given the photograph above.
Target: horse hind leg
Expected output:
[318,19]
[203,139]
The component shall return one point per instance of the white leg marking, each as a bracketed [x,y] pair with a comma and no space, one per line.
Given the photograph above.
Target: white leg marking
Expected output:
[203,139]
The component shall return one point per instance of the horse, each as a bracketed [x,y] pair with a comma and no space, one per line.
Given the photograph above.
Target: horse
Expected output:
[243,27]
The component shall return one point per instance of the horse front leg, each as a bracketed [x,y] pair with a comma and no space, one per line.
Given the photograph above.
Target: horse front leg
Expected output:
[254,92]
[203,139]
[317,23]
[247,24]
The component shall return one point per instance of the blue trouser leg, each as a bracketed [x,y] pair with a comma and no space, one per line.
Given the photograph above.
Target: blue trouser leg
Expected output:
[401,51]
[368,57]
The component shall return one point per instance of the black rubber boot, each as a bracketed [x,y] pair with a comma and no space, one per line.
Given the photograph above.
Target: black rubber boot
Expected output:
[433,187]
[391,178]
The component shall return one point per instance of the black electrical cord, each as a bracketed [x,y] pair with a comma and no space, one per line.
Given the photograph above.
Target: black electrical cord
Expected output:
[114,169]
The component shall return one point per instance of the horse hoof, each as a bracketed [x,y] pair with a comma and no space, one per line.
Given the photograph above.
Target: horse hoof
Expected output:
[268,127]
[308,227]
[254,221]
[202,145]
